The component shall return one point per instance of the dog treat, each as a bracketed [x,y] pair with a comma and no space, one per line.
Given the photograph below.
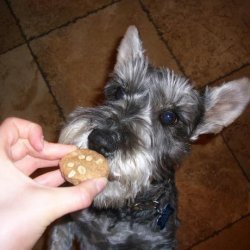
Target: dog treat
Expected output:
[83,164]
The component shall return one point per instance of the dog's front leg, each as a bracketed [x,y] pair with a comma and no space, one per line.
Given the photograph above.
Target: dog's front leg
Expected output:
[61,236]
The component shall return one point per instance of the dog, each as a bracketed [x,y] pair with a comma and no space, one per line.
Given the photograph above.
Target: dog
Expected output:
[144,128]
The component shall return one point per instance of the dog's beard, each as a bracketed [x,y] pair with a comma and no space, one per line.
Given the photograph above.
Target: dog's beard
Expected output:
[150,149]
[128,177]
[137,97]
[131,167]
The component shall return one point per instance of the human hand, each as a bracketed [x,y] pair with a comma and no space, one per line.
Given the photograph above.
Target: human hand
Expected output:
[28,206]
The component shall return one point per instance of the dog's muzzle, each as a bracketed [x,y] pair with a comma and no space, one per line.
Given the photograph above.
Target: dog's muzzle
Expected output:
[105,142]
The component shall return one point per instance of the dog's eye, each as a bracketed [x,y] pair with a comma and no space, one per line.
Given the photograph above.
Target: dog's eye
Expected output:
[119,93]
[168,118]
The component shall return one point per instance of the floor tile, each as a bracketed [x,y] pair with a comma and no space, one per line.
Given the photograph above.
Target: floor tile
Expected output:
[24,93]
[10,35]
[212,191]
[38,16]
[237,136]
[41,244]
[209,38]
[78,58]
[232,238]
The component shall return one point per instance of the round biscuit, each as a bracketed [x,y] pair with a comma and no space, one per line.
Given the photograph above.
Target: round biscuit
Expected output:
[83,164]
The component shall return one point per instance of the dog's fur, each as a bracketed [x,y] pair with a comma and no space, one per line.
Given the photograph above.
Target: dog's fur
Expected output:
[144,128]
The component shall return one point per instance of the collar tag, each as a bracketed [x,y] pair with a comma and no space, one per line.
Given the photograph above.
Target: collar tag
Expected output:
[164,216]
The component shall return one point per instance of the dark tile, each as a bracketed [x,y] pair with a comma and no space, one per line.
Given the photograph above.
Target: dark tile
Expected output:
[10,35]
[78,58]
[213,192]
[237,136]
[39,16]
[210,38]
[234,237]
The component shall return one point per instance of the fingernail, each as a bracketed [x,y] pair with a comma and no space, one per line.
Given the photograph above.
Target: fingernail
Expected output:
[101,183]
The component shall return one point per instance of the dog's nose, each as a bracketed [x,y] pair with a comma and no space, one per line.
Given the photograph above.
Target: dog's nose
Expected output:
[104,142]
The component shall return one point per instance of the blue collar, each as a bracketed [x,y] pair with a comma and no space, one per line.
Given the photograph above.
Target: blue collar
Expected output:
[164,215]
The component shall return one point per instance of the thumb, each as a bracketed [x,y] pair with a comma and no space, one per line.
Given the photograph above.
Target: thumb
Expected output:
[70,199]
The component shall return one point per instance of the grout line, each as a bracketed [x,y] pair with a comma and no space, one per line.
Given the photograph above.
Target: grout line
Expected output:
[60,110]
[219,231]
[229,73]
[222,135]
[235,158]
[219,78]
[75,19]
[27,42]
[160,34]
[10,49]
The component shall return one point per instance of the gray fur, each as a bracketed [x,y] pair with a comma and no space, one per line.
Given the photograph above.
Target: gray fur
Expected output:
[147,150]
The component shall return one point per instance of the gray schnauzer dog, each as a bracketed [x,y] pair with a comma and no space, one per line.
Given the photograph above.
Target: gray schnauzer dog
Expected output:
[144,128]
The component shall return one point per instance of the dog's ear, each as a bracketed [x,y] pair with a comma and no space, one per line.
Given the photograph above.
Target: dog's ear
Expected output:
[222,105]
[130,47]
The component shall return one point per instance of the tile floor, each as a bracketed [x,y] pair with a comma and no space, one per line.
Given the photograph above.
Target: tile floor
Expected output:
[55,55]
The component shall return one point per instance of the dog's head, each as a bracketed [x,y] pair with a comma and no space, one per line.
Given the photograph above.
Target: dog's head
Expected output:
[148,119]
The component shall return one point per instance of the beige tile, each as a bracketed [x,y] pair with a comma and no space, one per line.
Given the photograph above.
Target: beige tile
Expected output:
[10,35]
[39,16]
[212,191]
[237,136]
[232,238]
[78,58]
[24,93]
[210,38]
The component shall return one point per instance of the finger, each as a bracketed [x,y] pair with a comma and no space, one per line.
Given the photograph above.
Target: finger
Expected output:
[20,149]
[51,151]
[29,164]
[51,179]
[54,151]
[28,160]
[70,199]
[13,129]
